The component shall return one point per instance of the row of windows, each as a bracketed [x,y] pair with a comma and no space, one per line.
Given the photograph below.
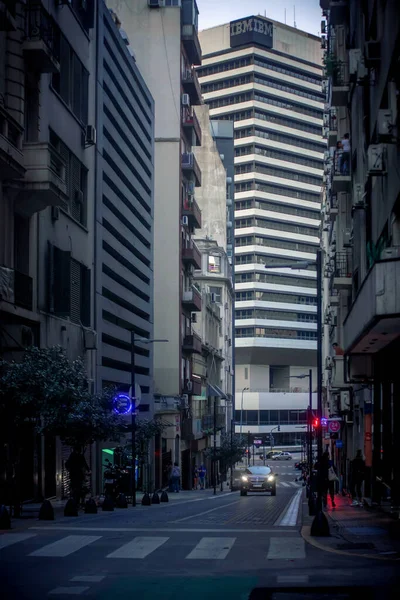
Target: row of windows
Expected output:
[215,86]
[269,332]
[251,313]
[259,97]
[277,279]
[255,167]
[252,258]
[256,240]
[275,297]
[266,63]
[245,186]
[271,118]
[270,417]
[278,155]
[279,137]
[270,224]
[277,207]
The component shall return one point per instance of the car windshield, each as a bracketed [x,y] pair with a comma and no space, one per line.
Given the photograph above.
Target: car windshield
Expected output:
[258,470]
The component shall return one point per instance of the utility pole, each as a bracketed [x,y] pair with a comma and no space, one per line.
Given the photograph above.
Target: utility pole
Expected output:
[133,417]
[248,449]
[215,446]
[232,464]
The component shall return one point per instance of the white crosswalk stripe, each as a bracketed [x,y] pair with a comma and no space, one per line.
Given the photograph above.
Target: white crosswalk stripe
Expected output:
[212,548]
[140,547]
[7,539]
[283,484]
[66,546]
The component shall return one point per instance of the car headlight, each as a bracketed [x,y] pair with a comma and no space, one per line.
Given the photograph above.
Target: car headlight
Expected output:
[244,478]
[270,478]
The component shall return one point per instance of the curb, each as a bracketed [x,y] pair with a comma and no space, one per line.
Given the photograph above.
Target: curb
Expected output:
[306,535]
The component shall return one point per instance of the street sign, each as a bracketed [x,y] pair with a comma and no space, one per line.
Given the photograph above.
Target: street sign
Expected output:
[257,442]
[138,394]
[334,426]
[122,404]
[339,444]
[324,422]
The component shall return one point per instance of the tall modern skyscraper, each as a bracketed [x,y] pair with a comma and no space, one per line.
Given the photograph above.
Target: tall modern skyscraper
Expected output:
[266,78]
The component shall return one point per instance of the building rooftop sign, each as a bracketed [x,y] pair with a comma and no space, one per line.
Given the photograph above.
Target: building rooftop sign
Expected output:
[254,30]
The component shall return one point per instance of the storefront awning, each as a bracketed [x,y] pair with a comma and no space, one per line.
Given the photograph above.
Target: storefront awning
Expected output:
[214,390]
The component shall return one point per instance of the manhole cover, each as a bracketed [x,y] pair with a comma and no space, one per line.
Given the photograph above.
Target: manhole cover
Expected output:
[361,546]
[366,530]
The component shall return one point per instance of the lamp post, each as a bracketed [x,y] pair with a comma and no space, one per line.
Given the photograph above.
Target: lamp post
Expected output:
[246,389]
[320,526]
[309,413]
[133,405]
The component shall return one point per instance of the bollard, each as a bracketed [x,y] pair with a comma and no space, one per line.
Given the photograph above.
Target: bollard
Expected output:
[155,498]
[71,509]
[146,500]
[121,501]
[108,504]
[5,522]
[90,507]
[164,497]
[46,512]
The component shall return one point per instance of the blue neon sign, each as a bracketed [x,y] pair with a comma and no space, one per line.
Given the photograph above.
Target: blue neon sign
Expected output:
[122,404]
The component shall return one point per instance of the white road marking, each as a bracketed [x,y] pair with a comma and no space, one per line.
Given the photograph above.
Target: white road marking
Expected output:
[7,539]
[206,512]
[161,529]
[212,548]
[88,578]
[70,591]
[140,547]
[289,519]
[284,484]
[292,579]
[66,545]
[280,549]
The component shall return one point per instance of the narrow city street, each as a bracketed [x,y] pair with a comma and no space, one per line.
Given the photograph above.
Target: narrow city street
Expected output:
[197,546]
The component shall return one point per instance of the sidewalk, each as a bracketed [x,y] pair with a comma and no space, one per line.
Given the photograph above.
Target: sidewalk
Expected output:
[30,512]
[356,531]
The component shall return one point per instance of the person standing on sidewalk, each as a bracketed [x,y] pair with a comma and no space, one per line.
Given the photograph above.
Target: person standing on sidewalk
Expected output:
[195,477]
[357,478]
[176,478]
[329,475]
[202,476]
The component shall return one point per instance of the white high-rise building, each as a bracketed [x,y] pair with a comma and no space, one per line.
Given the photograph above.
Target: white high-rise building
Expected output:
[266,77]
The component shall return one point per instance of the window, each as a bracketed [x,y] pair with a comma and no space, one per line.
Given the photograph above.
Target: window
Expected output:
[217,291]
[214,264]
[69,287]
[76,179]
[71,83]
[246,373]
[173,2]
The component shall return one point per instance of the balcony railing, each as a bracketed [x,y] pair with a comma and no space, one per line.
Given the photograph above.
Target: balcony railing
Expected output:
[192,343]
[343,264]
[191,123]
[191,85]
[192,299]
[207,421]
[16,288]
[191,42]
[192,211]
[192,256]
[190,165]
[11,158]
[42,39]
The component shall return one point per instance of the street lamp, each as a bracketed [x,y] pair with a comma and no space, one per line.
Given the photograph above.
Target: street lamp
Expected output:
[309,413]
[246,389]
[320,526]
[133,404]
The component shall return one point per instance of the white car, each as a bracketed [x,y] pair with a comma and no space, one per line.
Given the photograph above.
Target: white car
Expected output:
[282,456]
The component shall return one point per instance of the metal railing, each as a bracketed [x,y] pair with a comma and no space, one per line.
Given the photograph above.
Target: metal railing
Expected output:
[343,265]
[39,25]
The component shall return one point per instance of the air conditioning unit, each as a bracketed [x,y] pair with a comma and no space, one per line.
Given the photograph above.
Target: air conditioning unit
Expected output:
[185,100]
[391,252]
[156,3]
[372,51]
[90,339]
[376,160]
[55,213]
[79,197]
[328,363]
[347,238]
[90,135]
[385,125]
[354,59]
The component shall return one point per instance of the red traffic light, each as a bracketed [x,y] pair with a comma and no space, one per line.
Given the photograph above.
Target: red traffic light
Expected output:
[315,423]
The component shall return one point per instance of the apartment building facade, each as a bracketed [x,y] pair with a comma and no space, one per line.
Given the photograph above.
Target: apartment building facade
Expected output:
[124,218]
[266,78]
[361,239]
[47,108]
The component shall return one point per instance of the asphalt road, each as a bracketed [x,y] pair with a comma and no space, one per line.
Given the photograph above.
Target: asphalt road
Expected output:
[195,547]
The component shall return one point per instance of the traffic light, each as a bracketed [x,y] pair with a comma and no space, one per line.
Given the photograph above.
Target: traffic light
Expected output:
[315,422]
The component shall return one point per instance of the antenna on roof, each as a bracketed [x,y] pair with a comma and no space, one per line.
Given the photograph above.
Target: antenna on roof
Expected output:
[285,16]
[294,17]
[265,13]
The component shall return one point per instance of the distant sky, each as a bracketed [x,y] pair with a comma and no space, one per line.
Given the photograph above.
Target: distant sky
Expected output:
[217,12]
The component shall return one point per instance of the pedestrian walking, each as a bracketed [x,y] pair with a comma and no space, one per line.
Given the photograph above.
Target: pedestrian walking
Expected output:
[345,157]
[202,476]
[329,478]
[176,478]
[195,477]
[357,476]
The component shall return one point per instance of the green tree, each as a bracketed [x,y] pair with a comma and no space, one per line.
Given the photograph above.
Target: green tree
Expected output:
[231,451]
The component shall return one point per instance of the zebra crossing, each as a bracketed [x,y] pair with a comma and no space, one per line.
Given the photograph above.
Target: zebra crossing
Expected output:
[289,484]
[140,547]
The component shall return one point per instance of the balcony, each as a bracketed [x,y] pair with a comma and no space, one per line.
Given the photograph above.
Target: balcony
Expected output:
[192,343]
[192,387]
[11,158]
[341,177]
[192,211]
[207,421]
[342,272]
[192,256]
[16,288]
[340,82]
[191,85]
[338,12]
[191,300]
[191,168]
[44,183]
[332,130]
[373,321]
[41,45]
[191,43]
[191,124]
[7,15]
